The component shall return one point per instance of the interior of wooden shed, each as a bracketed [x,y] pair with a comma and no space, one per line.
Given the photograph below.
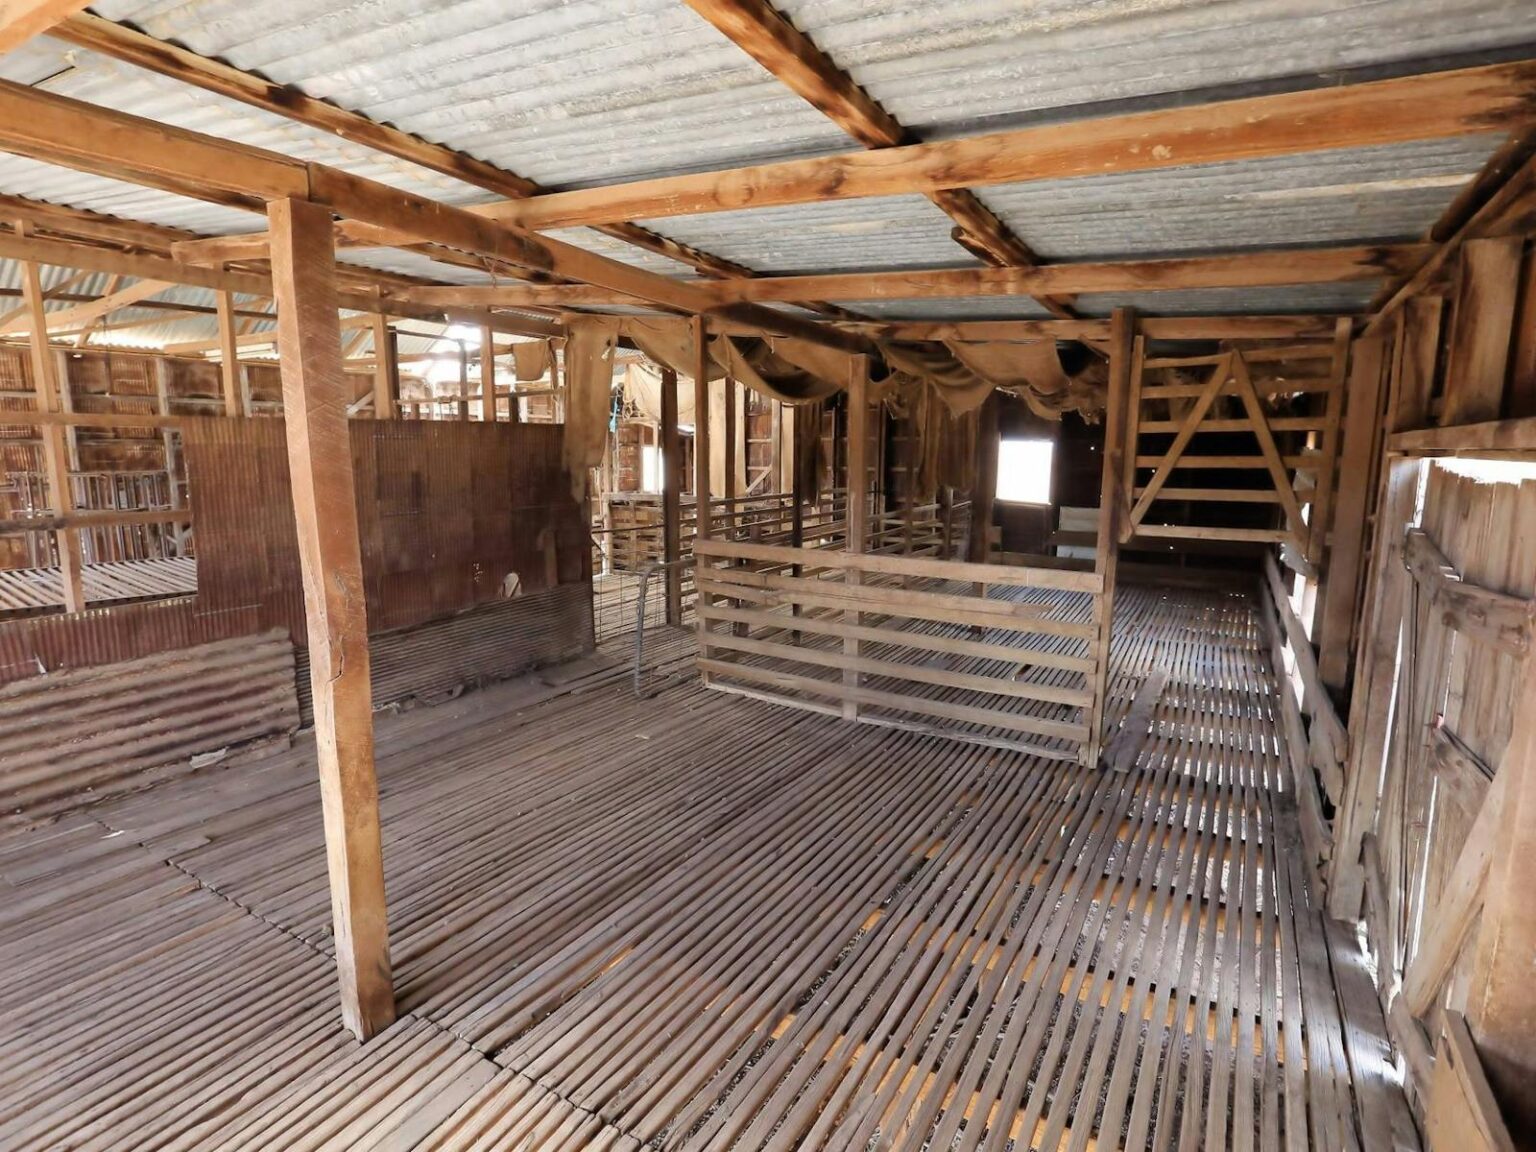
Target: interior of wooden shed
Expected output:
[767,574]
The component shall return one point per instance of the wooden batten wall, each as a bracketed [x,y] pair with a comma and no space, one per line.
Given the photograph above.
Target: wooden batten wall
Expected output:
[1421,635]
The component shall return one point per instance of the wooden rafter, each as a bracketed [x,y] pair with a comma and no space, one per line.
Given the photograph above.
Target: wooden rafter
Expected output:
[21,20]
[1244,270]
[59,130]
[91,258]
[1429,106]
[794,59]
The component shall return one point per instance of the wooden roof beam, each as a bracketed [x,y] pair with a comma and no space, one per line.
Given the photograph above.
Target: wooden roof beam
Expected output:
[21,20]
[762,32]
[1241,270]
[1488,99]
[62,254]
[58,130]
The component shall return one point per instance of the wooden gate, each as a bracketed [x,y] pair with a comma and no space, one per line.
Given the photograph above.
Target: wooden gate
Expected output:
[1277,410]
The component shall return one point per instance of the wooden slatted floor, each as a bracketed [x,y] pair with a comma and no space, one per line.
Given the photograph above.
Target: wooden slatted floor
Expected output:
[706,922]
[30,589]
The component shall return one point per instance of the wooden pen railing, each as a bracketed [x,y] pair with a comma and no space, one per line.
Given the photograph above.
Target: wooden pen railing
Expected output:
[998,655]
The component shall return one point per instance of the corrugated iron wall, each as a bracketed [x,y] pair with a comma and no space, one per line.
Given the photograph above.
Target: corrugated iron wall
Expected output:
[447,511]
[100,730]
[429,661]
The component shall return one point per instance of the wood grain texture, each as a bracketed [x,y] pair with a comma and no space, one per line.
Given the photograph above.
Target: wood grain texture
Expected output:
[330,556]
[696,920]
[1428,106]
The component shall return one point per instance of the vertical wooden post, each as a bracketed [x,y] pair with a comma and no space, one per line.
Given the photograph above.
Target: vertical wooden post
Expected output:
[487,374]
[1113,500]
[979,546]
[386,384]
[1340,611]
[702,464]
[45,387]
[858,503]
[671,496]
[168,446]
[463,401]
[1371,704]
[325,510]
[739,443]
[1326,476]
[229,354]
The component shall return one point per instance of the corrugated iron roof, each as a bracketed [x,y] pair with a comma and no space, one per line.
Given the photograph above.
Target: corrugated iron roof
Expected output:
[582,92]
[948,66]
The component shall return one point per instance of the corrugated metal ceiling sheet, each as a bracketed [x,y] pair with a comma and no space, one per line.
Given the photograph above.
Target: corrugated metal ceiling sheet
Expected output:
[561,91]
[584,91]
[1368,194]
[944,66]
[881,232]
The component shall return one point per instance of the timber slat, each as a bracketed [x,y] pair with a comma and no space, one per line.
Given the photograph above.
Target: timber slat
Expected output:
[698,921]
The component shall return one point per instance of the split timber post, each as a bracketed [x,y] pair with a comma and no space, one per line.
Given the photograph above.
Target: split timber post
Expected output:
[702,464]
[858,527]
[671,497]
[1112,499]
[325,511]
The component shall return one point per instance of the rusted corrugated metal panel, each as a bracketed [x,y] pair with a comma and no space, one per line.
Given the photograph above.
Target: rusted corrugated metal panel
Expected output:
[447,512]
[437,659]
[92,732]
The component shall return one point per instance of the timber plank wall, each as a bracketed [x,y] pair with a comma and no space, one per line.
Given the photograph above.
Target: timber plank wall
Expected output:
[446,512]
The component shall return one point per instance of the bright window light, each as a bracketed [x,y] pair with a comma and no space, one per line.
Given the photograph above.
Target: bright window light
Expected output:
[1024,471]
[650,468]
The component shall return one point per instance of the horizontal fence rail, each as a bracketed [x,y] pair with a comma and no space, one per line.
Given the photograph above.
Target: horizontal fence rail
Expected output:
[1004,656]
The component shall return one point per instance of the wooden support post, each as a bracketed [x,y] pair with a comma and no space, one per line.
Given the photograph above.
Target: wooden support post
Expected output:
[462,402]
[984,499]
[487,375]
[325,510]
[386,379]
[858,503]
[703,465]
[739,442]
[1371,705]
[1346,555]
[1114,501]
[229,355]
[168,443]
[671,496]
[45,387]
